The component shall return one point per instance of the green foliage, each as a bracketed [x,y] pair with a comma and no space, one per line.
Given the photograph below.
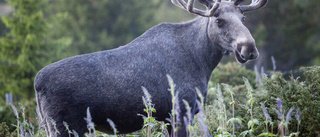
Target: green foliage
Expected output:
[232,73]
[99,25]
[3,29]
[221,122]
[7,117]
[298,94]
[20,48]
[5,131]
[18,58]
[18,121]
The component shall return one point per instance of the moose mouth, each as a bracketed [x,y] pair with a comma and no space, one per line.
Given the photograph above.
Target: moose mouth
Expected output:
[239,58]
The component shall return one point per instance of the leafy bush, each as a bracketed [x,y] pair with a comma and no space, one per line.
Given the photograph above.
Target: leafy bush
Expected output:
[298,94]
[232,73]
[7,117]
[25,115]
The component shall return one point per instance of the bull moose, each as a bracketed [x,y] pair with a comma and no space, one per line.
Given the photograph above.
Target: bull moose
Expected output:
[110,82]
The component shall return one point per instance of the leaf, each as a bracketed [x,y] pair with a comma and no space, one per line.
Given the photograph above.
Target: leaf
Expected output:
[244,133]
[250,101]
[235,120]
[251,123]
[251,132]
[295,134]
[267,134]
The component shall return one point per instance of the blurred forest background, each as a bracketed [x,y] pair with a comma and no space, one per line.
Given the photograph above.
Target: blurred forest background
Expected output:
[35,33]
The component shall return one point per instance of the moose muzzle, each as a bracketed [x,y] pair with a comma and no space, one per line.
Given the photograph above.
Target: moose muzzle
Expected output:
[246,51]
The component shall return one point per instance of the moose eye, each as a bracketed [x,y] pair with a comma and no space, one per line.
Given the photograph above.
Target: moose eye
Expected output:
[243,19]
[219,22]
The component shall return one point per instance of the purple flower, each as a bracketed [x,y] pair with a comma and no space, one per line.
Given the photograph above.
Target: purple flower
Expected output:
[278,113]
[187,118]
[201,119]
[265,112]
[15,111]
[113,126]
[22,133]
[279,104]
[289,114]
[298,115]
[88,119]
[177,107]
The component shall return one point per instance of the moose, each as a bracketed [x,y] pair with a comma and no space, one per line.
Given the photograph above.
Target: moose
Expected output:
[110,82]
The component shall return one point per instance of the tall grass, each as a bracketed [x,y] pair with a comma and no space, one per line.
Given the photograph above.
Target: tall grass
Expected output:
[212,120]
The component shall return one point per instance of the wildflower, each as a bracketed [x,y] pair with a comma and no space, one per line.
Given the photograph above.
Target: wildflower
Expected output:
[112,125]
[177,107]
[280,116]
[146,95]
[22,134]
[187,119]
[90,124]
[265,112]
[289,114]
[298,116]
[201,119]
[75,133]
[279,104]
[15,111]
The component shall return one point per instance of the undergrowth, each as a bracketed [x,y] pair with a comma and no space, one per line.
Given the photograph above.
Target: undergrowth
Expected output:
[277,107]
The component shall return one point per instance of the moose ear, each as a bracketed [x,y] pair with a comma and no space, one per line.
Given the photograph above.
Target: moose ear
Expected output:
[238,2]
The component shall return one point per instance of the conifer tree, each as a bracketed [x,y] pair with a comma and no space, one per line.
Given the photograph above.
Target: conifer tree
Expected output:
[22,49]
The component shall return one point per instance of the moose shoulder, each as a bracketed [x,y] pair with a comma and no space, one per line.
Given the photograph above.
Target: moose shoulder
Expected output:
[109,82]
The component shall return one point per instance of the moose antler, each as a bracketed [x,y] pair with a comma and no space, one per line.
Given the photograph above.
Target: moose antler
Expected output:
[255,4]
[189,6]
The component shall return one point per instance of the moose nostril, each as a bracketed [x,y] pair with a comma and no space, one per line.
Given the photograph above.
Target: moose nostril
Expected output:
[251,56]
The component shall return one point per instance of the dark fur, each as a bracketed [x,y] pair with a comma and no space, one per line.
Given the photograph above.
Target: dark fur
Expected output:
[109,82]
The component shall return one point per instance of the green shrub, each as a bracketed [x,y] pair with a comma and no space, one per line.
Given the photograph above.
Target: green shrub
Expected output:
[7,118]
[298,94]
[232,73]
[25,112]
[302,93]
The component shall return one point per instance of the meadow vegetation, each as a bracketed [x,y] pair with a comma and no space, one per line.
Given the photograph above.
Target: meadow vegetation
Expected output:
[278,106]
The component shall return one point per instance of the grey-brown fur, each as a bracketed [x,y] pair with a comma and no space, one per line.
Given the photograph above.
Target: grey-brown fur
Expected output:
[109,82]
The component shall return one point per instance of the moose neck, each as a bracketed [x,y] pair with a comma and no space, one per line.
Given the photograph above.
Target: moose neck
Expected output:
[204,52]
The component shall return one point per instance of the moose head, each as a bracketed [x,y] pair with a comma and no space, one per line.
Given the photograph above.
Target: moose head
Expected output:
[226,26]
